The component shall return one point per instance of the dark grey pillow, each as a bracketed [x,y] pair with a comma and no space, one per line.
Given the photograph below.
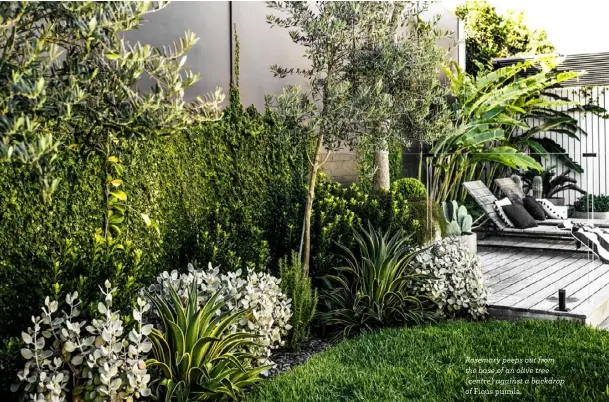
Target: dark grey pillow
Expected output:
[534,208]
[519,216]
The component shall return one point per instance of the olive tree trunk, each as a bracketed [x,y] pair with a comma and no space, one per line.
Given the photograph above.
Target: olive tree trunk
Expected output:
[382,178]
[315,165]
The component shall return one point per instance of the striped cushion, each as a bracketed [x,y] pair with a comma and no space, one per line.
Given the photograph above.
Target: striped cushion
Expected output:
[595,239]
[551,210]
[497,206]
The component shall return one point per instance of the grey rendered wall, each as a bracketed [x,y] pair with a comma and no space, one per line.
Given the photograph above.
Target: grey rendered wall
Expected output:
[261,47]
[211,56]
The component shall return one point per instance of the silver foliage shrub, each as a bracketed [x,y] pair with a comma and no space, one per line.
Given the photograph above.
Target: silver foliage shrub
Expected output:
[270,309]
[100,360]
[459,287]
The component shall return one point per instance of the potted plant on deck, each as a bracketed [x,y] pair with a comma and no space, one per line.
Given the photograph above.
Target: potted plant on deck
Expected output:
[592,207]
[460,224]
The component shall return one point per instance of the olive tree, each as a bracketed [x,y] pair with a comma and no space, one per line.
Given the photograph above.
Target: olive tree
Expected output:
[395,71]
[373,73]
[323,114]
[69,79]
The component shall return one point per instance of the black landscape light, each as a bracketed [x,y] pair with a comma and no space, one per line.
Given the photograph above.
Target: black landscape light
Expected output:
[562,300]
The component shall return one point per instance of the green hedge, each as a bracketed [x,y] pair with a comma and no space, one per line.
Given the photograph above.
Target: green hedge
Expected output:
[592,203]
[228,192]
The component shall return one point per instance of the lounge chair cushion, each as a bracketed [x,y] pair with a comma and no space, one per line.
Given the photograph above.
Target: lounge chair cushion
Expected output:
[498,207]
[552,210]
[519,216]
[534,208]
[511,190]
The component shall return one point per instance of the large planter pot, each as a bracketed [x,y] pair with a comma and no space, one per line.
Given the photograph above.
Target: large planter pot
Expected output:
[558,201]
[470,241]
[591,215]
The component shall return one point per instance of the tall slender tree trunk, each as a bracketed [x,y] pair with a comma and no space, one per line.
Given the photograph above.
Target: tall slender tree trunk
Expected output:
[382,178]
[316,164]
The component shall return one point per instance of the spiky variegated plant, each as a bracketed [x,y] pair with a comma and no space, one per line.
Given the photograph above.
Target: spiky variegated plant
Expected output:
[374,289]
[199,357]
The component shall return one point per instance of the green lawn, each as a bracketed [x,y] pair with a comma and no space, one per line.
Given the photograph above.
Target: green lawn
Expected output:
[429,364]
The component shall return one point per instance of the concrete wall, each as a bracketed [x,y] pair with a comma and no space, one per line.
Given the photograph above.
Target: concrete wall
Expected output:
[261,47]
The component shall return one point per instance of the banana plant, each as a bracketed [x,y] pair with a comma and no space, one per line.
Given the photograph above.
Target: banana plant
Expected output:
[492,115]
[201,359]
[542,116]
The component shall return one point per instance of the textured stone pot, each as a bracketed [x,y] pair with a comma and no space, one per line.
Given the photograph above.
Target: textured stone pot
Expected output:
[470,241]
[558,201]
[591,215]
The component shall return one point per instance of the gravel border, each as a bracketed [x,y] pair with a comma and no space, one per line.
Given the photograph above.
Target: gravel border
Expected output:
[286,360]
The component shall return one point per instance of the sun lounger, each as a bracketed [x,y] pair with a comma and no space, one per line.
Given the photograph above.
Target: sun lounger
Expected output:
[512,191]
[485,199]
[593,238]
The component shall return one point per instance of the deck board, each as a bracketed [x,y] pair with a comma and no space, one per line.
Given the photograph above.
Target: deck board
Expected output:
[574,285]
[507,264]
[518,280]
[523,281]
[535,289]
[518,267]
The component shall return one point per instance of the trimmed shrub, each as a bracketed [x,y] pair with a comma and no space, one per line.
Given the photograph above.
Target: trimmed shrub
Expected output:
[338,210]
[412,211]
[296,285]
[455,284]
[592,203]
[409,188]
[227,192]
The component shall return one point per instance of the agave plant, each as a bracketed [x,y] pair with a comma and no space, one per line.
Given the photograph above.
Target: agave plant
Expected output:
[200,359]
[374,289]
[552,184]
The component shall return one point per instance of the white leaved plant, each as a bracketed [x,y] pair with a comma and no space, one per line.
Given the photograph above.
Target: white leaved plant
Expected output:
[459,285]
[99,360]
[269,309]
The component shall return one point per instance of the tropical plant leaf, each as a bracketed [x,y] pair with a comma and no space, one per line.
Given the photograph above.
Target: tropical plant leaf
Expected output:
[553,148]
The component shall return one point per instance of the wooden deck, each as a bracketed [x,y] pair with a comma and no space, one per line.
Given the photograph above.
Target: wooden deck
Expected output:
[523,277]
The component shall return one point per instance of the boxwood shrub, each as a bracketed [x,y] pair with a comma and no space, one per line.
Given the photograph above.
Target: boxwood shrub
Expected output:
[592,203]
[338,210]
